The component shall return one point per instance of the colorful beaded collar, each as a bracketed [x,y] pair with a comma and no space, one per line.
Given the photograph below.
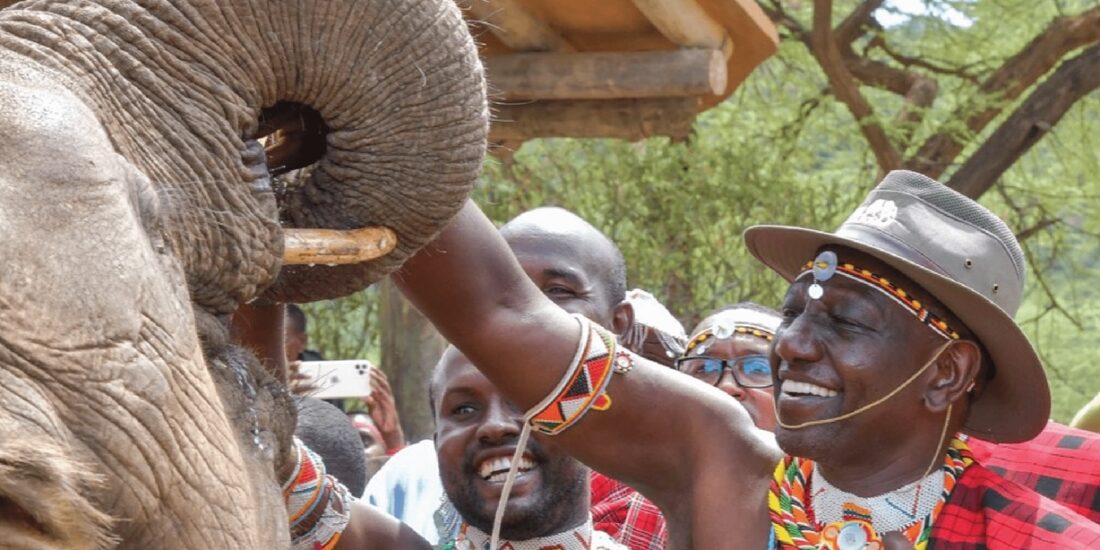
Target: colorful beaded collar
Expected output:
[792,515]
[825,266]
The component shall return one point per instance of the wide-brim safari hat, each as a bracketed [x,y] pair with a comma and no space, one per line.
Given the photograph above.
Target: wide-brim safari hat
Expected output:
[964,256]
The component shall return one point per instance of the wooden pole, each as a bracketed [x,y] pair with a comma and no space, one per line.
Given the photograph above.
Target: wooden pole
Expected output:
[631,119]
[515,26]
[336,246]
[410,349]
[606,75]
[259,328]
[687,24]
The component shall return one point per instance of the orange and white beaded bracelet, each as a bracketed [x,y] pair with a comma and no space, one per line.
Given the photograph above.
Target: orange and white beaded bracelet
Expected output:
[317,505]
[582,387]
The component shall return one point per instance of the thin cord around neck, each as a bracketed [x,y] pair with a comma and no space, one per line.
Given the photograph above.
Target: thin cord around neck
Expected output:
[513,471]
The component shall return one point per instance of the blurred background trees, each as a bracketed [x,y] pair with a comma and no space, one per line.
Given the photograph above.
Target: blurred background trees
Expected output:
[998,99]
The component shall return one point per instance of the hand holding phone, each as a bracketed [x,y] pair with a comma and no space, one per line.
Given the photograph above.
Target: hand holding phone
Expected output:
[338,379]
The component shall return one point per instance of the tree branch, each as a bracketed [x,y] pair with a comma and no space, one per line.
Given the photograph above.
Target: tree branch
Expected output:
[846,89]
[909,61]
[880,75]
[1062,36]
[919,98]
[852,26]
[1035,229]
[1036,268]
[775,12]
[1029,123]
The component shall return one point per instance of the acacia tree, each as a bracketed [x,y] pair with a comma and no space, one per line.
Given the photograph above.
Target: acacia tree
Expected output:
[858,53]
[783,150]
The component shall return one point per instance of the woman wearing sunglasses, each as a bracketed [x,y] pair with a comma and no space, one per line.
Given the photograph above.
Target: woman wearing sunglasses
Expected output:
[729,350]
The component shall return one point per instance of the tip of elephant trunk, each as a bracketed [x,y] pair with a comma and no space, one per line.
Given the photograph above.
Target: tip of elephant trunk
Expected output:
[331,247]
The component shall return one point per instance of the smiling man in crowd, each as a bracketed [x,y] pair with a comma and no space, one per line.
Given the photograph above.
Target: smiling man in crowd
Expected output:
[583,272]
[897,342]
[476,435]
[728,349]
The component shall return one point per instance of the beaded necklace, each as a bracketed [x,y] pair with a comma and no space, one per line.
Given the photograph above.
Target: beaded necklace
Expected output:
[583,537]
[791,506]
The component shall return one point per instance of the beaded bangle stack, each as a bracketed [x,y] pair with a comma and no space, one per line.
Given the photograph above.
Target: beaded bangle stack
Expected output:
[580,390]
[317,505]
[582,387]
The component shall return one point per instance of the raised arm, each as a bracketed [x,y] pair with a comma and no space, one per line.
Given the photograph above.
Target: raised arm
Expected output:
[661,426]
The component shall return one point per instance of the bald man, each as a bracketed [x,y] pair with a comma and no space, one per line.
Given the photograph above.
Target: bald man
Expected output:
[583,272]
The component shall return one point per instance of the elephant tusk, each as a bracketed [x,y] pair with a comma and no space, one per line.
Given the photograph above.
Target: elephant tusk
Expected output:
[336,246]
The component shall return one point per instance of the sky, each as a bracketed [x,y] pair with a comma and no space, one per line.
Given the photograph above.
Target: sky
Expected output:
[897,12]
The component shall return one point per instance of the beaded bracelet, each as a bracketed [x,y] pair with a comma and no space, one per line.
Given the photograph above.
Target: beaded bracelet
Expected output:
[580,390]
[582,387]
[318,506]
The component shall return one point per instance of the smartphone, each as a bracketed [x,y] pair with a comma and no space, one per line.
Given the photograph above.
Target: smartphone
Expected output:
[338,379]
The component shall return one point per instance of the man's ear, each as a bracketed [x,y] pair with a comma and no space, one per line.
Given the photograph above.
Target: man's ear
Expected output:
[955,371]
[622,318]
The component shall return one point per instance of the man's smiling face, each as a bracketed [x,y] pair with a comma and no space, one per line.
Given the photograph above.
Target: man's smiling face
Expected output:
[843,351]
[477,430]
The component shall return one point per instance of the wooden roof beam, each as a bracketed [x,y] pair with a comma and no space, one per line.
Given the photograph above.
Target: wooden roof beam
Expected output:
[630,119]
[515,26]
[686,24]
[606,75]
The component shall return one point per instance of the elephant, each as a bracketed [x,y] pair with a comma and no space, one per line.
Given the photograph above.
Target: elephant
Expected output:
[137,214]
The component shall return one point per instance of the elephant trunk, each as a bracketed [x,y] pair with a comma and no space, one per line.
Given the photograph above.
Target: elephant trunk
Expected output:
[408,119]
[397,83]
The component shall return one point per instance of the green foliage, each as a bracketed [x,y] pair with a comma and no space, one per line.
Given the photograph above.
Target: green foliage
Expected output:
[1061,311]
[346,328]
[782,151]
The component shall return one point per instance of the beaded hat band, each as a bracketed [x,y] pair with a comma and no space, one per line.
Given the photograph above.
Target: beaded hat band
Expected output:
[825,266]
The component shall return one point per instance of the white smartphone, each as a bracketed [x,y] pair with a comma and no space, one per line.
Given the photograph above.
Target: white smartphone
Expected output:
[338,379]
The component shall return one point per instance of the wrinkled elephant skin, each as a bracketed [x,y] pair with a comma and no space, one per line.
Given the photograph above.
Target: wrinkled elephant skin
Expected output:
[131,226]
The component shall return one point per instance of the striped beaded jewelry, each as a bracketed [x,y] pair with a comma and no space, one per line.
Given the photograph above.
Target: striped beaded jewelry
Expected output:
[580,390]
[317,505]
[796,525]
[582,387]
[721,332]
[825,266]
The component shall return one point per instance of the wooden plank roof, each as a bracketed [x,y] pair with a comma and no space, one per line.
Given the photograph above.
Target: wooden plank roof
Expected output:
[613,68]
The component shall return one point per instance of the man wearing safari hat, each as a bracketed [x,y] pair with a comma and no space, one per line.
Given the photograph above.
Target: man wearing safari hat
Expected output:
[897,344]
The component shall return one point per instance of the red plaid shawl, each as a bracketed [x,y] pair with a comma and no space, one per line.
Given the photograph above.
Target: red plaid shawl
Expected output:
[626,515]
[1061,463]
[989,512]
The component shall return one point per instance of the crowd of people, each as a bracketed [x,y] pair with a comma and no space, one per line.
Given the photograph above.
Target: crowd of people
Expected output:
[889,401]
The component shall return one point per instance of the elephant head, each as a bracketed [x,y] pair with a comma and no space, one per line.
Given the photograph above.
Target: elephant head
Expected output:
[134,220]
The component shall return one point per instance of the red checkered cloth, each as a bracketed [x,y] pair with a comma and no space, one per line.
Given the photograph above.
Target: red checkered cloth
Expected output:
[1061,463]
[988,512]
[626,515]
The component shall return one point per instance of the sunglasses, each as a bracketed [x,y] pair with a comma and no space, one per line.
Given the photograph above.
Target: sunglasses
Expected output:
[750,371]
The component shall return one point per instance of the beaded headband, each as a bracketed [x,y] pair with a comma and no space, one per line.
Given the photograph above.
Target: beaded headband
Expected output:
[825,266]
[722,332]
[747,321]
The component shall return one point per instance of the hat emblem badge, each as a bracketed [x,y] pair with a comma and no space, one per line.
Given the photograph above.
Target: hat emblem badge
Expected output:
[880,213]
